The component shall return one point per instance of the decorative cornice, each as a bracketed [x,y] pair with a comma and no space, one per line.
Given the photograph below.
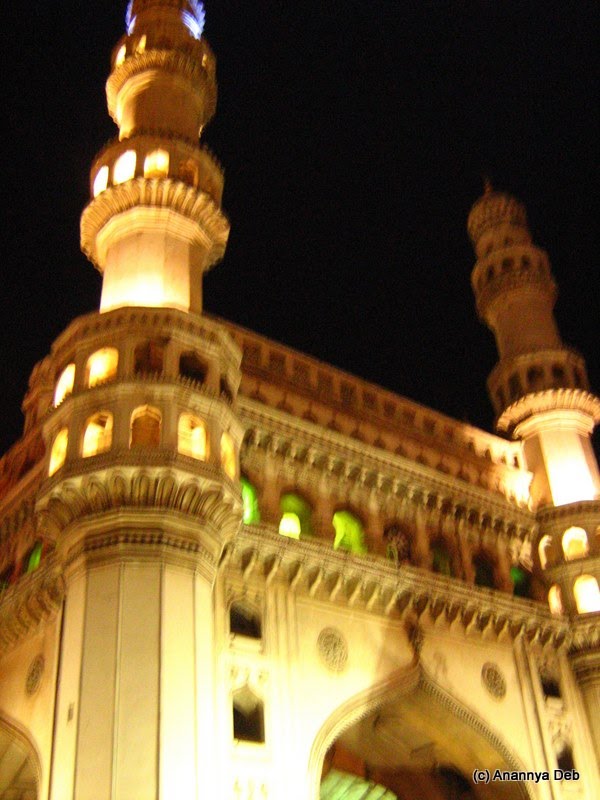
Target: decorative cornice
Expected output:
[35,599]
[549,400]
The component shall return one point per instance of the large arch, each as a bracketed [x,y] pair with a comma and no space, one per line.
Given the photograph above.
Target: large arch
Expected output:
[20,769]
[409,723]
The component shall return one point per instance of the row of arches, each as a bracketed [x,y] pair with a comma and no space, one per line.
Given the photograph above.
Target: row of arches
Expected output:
[574,543]
[145,425]
[585,592]
[295,521]
[148,359]
[537,378]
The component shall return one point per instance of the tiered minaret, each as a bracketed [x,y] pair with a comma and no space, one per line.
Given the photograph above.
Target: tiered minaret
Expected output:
[141,490]
[539,388]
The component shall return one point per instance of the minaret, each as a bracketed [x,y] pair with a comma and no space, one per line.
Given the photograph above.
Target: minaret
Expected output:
[155,224]
[137,402]
[539,388]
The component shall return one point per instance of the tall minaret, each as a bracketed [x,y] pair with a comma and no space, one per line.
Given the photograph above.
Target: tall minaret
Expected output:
[539,388]
[155,223]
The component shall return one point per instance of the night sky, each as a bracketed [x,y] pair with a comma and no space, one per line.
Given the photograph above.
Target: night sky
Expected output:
[354,136]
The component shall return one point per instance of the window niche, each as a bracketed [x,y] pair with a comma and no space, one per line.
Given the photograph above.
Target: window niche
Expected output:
[484,571]
[349,532]
[64,384]
[191,367]
[250,507]
[145,427]
[97,437]
[245,620]
[192,439]
[58,452]
[248,716]
[441,561]
[148,358]
[228,455]
[101,367]
[295,522]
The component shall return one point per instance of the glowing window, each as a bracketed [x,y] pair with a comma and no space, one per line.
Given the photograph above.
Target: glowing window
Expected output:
[141,45]
[191,437]
[521,580]
[64,385]
[124,168]
[100,181]
[587,594]
[156,164]
[544,549]
[34,557]
[251,511]
[145,427]
[555,600]
[58,453]
[98,434]
[348,532]
[121,55]
[575,543]
[228,455]
[101,366]
[295,516]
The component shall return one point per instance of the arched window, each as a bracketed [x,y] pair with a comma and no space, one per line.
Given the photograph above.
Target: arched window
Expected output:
[349,533]
[564,756]
[251,511]
[228,459]
[145,427]
[101,366]
[248,716]
[397,541]
[58,453]
[575,543]
[64,385]
[141,45]
[148,358]
[97,437]
[121,55]
[191,437]
[587,594]
[124,168]
[100,181]
[484,570]
[296,514]
[555,600]
[188,172]
[190,366]
[441,558]
[521,579]
[244,620]
[33,557]
[544,550]
[156,164]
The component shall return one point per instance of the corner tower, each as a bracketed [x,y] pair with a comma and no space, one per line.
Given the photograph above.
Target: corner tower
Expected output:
[539,388]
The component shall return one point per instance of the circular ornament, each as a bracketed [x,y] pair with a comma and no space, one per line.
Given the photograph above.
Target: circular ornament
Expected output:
[493,680]
[333,649]
[34,674]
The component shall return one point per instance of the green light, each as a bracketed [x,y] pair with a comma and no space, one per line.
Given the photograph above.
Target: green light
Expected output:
[296,516]
[251,511]
[35,557]
[348,533]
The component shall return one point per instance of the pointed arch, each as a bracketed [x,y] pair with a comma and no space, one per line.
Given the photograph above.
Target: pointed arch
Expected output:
[26,773]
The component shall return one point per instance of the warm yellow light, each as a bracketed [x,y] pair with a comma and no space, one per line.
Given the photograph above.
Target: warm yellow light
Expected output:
[575,543]
[64,385]
[228,455]
[555,600]
[141,45]
[124,168]
[156,164]
[100,181]
[191,437]
[121,54]
[544,550]
[101,366]
[587,594]
[58,453]
[145,427]
[290,525]
[98,434]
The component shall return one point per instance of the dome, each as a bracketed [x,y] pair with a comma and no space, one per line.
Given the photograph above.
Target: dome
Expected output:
[493,209]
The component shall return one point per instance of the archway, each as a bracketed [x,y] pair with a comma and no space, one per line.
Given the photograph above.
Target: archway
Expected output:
[19,764]
[409,738]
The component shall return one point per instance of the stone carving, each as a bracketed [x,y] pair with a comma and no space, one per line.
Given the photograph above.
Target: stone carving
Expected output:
[333,649]
[493,680]
[34,674]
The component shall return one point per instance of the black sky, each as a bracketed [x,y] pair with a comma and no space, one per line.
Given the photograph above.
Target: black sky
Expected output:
[353,135]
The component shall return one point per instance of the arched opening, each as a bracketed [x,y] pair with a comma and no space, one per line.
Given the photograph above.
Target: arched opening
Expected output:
[64,385]
[145,427]
[148,358]
[535,378]
[228,455]
[555,600]
[349,533]
[124,168]
[190,366]
[20,772]
[441,558]
[564,756]
[244,620]
[544,550]
[296,515]
[101,366]
[97,437]
[188,172]
[33,557]
[248,716]
[398,543]
[58,452]
[100,181]
[484,570]
[156,164]
[587,594]
[575,543]
[250,508]
[521,580]
[191,437]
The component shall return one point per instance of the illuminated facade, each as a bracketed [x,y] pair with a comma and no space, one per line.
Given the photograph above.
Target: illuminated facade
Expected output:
[230,571]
